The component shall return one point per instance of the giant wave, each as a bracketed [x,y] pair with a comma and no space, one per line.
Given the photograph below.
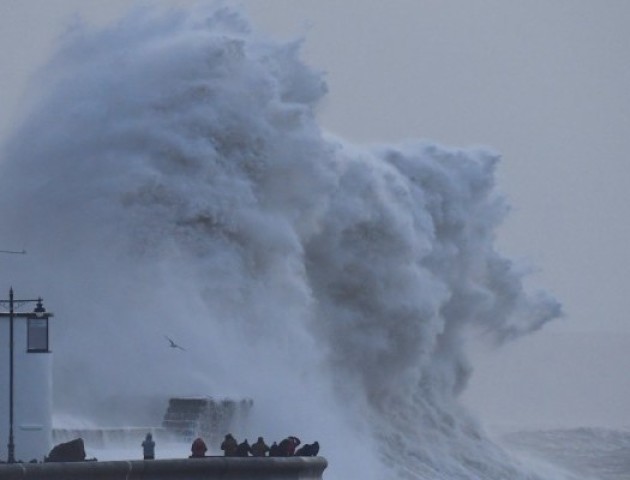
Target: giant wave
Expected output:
[169,177]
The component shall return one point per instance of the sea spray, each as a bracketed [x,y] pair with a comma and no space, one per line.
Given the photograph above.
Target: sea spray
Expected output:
[170,179]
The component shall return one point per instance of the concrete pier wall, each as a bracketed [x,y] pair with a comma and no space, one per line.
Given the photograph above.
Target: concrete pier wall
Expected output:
[292,468]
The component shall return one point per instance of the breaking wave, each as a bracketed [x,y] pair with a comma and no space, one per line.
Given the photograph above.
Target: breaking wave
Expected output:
[170,178]
[600,453]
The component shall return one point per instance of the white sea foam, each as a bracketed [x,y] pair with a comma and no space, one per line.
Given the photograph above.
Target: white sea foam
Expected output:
[170,179]
[599,453]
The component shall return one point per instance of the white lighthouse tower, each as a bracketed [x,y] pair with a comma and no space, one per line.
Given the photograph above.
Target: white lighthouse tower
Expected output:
[25,381]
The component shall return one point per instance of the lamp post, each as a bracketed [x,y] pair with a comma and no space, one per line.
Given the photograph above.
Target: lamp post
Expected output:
[37,338]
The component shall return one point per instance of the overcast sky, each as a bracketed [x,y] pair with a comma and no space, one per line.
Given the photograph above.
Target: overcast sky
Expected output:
[544,82]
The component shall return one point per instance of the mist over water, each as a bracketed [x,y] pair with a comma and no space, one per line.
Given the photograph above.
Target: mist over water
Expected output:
[169,178]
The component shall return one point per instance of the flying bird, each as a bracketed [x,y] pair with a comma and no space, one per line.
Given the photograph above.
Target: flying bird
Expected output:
[173,344]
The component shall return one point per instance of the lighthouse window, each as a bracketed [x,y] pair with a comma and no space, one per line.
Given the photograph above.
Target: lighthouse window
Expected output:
[38,335]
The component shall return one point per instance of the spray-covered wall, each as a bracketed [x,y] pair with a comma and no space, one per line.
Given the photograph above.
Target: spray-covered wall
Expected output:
[185,190]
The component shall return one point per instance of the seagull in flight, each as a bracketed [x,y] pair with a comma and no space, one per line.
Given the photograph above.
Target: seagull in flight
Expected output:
[173,344]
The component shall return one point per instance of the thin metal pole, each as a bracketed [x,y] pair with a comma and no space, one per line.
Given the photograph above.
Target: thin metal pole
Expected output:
[11,445]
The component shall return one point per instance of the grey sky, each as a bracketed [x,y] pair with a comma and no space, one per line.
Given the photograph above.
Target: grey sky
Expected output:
[543,82]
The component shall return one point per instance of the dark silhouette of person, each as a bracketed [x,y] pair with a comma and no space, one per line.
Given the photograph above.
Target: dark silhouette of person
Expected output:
[308,450]
[243,449]
[260,448]
[198,448]
[287,446]
[229,446]
[274,450]
[148,447]
[284,447]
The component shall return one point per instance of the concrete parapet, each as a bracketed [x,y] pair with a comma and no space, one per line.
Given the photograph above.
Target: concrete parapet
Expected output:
[209,468]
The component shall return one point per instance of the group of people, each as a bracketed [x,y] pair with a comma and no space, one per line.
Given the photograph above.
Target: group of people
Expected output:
[286,448]
[231,448]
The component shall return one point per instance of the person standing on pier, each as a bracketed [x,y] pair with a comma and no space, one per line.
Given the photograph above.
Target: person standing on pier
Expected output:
[229,445]
[148,447]
[198,448]
[260,448]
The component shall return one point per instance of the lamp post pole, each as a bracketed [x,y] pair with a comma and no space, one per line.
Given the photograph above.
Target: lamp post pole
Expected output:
[11,445]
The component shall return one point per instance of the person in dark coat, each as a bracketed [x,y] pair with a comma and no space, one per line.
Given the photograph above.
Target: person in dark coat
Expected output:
[260,448]
[198,448]
[274,450]
[148,447]
[308,450]
[243,449]
[284,448]
[229,446]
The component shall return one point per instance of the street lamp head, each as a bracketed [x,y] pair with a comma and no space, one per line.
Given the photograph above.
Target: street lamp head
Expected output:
[39,310]
[37,329]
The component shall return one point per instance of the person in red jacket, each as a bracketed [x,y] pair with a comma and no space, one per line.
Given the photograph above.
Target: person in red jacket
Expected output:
[198,448]
[287,446]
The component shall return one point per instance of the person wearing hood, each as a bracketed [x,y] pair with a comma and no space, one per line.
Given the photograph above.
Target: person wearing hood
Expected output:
[198,448]
[229,446]
[243,449]
[148,447]
[260,448]
[274,450]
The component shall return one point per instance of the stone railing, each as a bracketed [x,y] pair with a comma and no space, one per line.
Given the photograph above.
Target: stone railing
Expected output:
[209,468]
